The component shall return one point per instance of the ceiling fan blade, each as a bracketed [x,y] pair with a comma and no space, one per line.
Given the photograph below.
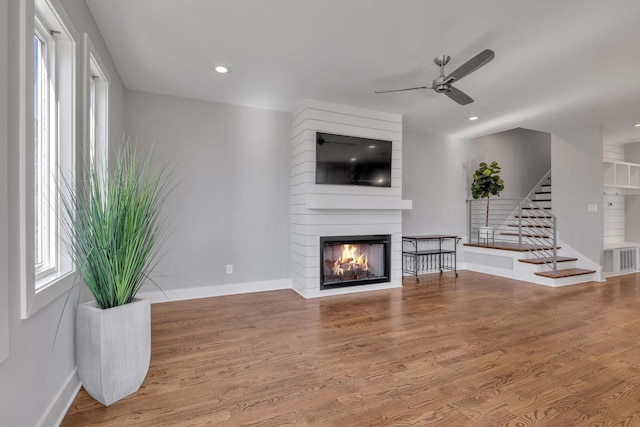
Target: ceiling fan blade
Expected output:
[402,90]
[472,65]
[459,96]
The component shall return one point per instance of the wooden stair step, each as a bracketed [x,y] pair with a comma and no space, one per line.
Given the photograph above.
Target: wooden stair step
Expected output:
[528,208]
[533,216]
[546,260]
[543,192]
[541,200]
[529,226]
[569,272]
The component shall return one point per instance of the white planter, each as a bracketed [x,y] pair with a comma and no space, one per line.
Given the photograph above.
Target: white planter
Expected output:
[485,234]
[113,349]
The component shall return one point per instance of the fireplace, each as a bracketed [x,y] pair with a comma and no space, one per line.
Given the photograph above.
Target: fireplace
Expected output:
[354,260]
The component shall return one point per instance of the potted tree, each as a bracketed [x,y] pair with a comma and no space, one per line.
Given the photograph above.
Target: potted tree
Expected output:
[114,225]
[486,183]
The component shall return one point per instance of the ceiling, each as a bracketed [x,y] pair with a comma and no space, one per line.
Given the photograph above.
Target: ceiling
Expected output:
[557,64]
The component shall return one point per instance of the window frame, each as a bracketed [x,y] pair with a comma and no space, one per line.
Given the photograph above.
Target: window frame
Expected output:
[96,109]
[48,129]
[4,184]
[38,290]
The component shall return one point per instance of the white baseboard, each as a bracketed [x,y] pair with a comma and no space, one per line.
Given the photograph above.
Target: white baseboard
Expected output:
[59,406]
[215,290]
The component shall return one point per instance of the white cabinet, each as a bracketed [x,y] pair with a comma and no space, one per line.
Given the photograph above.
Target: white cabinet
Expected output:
[620,174]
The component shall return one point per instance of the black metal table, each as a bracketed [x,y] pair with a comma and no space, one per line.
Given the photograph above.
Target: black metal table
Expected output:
[420,259]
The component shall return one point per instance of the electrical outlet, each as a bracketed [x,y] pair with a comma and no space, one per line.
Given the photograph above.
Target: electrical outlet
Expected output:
[229,268]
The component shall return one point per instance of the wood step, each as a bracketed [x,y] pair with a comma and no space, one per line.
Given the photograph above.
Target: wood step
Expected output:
[533,236]
[533,216]
[543,192]
[569,272]
[541,200]
[545,185]
[546,260]
[528,208]
[529,226]
[511,246]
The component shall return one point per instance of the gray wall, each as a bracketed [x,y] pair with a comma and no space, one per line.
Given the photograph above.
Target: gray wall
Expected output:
[632,202]
[577,181]
[231,204]
[524,156]
[36,369]
[437,174]
[434,177]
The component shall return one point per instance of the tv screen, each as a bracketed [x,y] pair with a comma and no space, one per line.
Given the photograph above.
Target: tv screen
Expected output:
[349,160]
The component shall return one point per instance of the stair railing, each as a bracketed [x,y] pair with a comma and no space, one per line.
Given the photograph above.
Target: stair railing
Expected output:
[544,180]
[518,224]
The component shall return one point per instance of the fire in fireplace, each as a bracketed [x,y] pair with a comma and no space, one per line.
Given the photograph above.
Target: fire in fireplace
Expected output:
[354,260]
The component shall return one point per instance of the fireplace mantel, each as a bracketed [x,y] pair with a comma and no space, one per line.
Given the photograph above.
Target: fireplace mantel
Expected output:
[350,202]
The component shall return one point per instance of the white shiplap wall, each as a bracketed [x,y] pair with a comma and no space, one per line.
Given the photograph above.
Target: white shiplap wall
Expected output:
[613,213]
[333,210]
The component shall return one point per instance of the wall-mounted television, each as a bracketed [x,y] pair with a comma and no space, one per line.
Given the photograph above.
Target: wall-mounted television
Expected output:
[349,160]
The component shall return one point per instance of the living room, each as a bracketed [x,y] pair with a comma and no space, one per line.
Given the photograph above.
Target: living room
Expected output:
[229,139]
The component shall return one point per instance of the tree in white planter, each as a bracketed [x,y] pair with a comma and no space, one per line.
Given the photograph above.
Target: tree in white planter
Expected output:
[114,226]
[487,183]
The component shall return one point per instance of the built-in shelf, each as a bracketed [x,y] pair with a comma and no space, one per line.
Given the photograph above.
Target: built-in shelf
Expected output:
[350,202]
[621,174]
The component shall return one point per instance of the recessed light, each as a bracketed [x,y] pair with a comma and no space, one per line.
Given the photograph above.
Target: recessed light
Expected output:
[372,146]
[473,118]
[353,159]
[637,125]
[221,69]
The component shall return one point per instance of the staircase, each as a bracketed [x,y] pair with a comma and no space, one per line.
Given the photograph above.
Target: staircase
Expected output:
[522,243]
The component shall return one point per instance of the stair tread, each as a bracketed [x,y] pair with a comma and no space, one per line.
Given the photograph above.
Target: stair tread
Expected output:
[569,272]
[543,192]
[529,208]
[545,260]
[529,226]
[533,216]
[541,200]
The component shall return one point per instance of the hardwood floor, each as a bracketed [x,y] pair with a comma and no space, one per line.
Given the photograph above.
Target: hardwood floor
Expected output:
[473,351]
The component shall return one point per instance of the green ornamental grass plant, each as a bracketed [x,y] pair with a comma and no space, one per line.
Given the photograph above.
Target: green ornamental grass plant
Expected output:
[115,226]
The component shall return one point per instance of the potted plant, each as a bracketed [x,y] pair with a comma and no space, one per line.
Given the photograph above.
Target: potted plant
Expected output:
[486,183]
[114,225]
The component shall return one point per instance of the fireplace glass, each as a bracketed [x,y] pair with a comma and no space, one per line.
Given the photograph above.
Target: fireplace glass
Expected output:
[354,260]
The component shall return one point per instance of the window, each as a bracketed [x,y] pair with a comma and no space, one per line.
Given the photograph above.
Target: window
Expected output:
[96,99]
[48,111]
[44,149]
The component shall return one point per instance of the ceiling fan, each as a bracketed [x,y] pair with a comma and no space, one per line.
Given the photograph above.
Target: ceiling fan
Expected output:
[443,84]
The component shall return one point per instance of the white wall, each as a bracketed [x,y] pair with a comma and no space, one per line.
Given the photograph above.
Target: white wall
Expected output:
[577,181]
[231,202]
[38,378]
[613,210]
[524,156]
[632,202]
[4,267]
